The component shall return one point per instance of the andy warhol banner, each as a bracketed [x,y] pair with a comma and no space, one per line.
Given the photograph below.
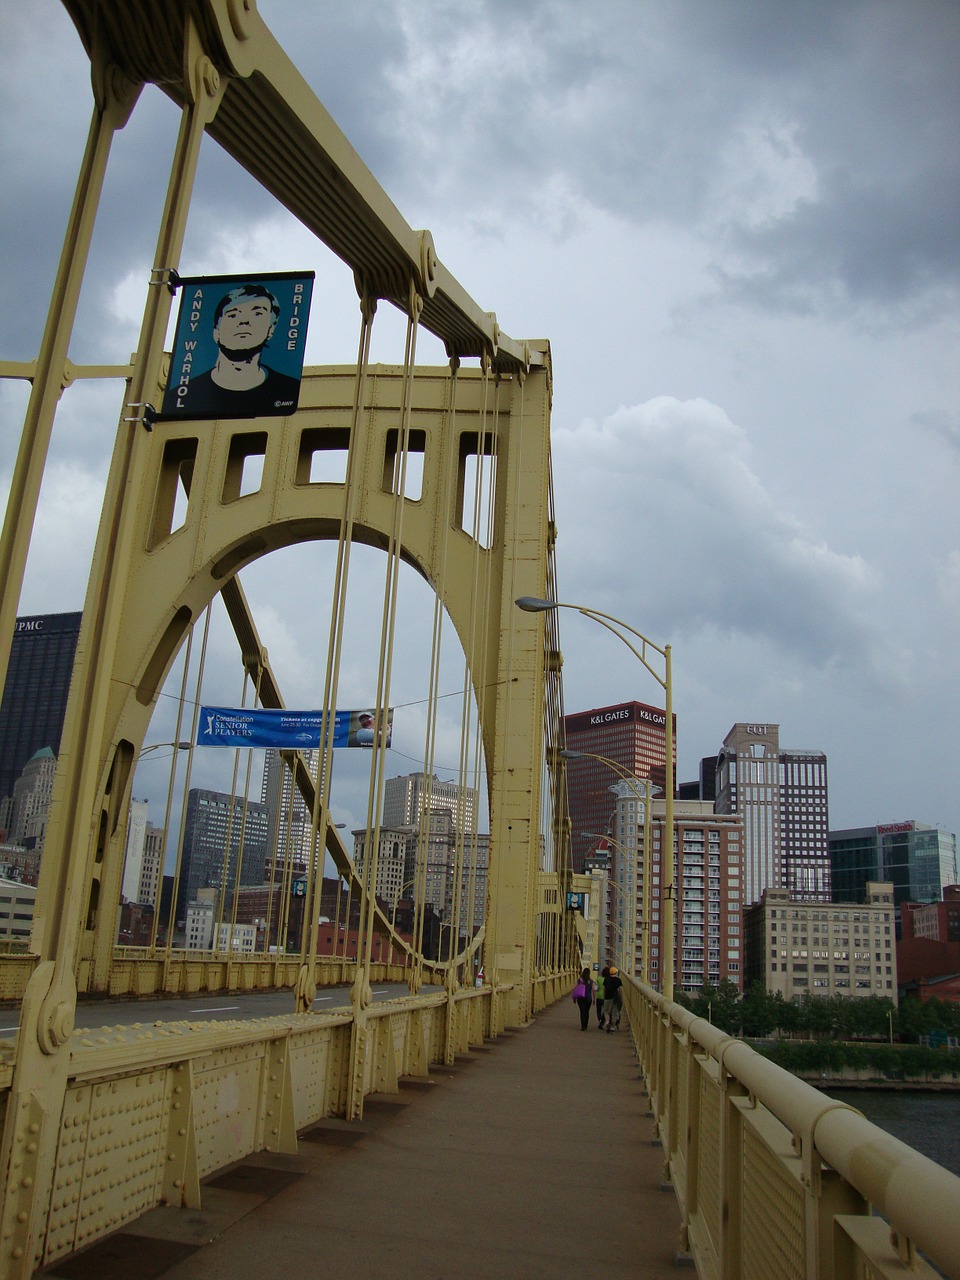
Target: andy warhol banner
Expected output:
[239,346]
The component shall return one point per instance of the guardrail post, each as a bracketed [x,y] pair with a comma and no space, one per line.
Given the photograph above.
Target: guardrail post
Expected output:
[359,1037]
[278,1123]
[668,1131]
[181,1178]
[827,1195]
[662,1036]
[830,1197]
[449,1024]
[691,1144]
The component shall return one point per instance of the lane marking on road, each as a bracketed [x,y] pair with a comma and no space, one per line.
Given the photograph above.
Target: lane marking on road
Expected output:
[8,1030]
[219,1008]
[319,999]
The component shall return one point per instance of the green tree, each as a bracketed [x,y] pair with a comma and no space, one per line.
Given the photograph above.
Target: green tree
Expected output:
[760,1012]
[726,1012]
[816,1017]
[719,1005]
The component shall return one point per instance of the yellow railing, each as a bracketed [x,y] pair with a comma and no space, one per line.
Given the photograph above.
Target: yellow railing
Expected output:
[776,1179]
[136,971]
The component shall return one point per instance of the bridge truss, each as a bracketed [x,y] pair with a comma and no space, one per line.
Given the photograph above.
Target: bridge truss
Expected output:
[98,1129]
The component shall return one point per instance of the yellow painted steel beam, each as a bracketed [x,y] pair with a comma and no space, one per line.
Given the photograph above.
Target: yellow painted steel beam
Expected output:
[272,123]
[115,97]
[149,583]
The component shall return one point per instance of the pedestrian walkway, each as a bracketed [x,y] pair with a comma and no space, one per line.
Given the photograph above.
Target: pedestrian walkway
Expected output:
[530,1157]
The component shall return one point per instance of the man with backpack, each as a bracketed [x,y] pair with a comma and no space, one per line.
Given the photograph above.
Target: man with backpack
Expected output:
[612,998]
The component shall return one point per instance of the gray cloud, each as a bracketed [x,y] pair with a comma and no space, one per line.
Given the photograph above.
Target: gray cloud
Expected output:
[856,247]
[636,107]
[945,426]
[774,498]
[679,474]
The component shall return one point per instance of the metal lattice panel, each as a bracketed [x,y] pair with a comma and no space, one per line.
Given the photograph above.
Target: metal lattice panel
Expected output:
[678,1155]
[773,1233]
[708,1194]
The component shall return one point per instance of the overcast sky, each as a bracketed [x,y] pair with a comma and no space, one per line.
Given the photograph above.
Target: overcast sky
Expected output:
[737,224]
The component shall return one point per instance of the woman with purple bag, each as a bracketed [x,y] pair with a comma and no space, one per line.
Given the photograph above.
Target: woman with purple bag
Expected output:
[583,996]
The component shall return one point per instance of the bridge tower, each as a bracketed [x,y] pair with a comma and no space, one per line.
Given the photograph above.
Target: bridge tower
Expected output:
[153,575]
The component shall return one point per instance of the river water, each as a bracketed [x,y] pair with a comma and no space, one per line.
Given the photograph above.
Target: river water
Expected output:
[929,1122]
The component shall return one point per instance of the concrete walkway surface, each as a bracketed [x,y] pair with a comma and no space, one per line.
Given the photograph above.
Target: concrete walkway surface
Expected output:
[530,1157]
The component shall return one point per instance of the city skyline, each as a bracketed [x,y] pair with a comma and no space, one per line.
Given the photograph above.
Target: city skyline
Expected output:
[738,232]
[276,790]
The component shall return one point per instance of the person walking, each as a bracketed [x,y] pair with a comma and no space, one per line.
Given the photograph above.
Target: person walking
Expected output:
[601,994]
[612,998]
[583,998]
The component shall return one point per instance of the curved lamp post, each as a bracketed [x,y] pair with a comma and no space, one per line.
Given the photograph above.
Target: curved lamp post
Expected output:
[646,656]
[155,746]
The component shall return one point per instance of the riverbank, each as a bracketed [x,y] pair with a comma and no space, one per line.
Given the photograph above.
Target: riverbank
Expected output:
[833,1064]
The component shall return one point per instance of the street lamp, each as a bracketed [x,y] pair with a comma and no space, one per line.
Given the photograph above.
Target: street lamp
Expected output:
[155,746]
[531,604]
[407,884]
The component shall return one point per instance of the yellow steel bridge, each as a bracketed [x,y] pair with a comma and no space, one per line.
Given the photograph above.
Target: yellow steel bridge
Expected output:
[101,1128]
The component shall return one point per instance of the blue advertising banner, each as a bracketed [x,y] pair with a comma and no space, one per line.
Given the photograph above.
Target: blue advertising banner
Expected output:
[238,348]
[286,730]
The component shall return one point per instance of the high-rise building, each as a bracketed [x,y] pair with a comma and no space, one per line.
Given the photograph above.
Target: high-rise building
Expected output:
[391,861]
[708,886]
[32,793]
[289,816]
[134,854]
[439,820]
[219,832]
[143,857]
[804,824]
[153,850]
[919,860]
[35,693]
[474,881]
[407,797]
[823,949]
[631,734]
[429,853]
[782,796]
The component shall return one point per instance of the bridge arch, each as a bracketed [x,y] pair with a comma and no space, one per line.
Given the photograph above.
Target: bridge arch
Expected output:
[160,565]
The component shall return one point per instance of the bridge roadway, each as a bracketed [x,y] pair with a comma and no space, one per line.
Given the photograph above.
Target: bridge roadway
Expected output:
[202,1007]
[531,1156]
